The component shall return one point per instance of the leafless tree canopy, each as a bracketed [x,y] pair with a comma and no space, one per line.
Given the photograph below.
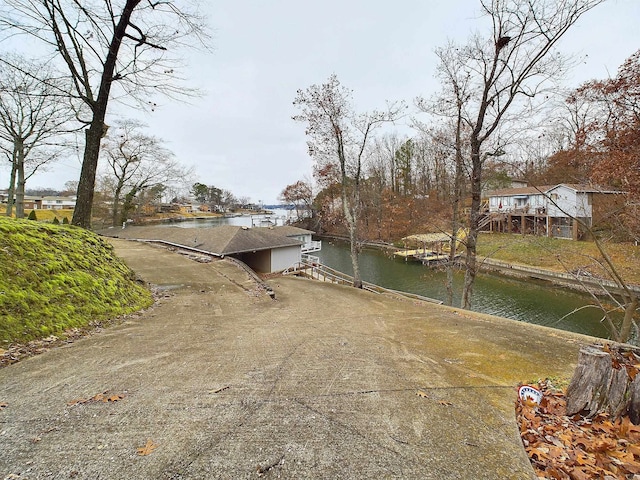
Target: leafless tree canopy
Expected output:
[126,50]
[339,137]
[82,35]
[137,162]
[497,78]
[34,122]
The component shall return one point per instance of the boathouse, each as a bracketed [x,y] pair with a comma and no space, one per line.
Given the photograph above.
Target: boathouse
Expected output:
[552,211]
[264,250]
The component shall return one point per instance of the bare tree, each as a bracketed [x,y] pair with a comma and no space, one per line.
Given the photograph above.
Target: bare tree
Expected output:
[450,104]
[508,71]
[105,44]
[300,195]
[228,200]
[137,162]
[384,158]
[338,135]
[33,122]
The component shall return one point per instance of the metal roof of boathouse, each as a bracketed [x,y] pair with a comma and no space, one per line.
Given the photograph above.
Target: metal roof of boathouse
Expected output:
[220,240]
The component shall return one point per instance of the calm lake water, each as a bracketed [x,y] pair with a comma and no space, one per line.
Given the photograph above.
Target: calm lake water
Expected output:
[278,217]
[526,300]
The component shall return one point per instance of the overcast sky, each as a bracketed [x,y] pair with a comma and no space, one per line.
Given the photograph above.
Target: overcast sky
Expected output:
[240,135]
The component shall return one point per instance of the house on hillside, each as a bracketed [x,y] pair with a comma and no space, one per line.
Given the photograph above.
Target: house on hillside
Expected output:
[265,250]
[42,203]
[58,203]
[30,202]
[549,210]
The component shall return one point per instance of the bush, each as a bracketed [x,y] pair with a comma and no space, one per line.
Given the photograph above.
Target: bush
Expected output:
[65,221]
[32,215]
[56,221]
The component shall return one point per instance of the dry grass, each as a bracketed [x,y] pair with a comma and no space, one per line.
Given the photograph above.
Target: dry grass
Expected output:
[561,255]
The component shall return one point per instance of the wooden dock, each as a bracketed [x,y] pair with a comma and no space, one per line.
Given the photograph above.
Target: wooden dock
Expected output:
[407,254]
[434,249]
[425,257]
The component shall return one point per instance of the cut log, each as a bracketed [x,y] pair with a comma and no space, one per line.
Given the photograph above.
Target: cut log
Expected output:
[606,380]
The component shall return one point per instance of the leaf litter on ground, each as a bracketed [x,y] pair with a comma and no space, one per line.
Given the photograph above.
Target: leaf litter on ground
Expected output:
[577,448]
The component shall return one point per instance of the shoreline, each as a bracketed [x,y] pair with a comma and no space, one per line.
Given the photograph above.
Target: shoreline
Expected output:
[581,283]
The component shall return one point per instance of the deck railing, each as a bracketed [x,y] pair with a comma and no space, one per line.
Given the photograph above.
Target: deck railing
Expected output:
[312,246]
[317,271]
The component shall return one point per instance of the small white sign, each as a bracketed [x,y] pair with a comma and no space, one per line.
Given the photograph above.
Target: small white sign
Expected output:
[529,393]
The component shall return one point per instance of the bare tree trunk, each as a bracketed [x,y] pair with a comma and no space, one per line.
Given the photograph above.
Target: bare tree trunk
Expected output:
[86,184]
[357,279]
[20,183]
[628,321]
[12,189]
[351,218]
[127,205]
[114,207]
[97,129]
[472,237]
[457,197]
[606,380]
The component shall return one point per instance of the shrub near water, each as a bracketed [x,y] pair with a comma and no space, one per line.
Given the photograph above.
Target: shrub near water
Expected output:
[56,277]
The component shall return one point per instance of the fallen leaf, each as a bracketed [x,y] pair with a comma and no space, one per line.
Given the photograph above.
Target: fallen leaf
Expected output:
[148,448]
[422,394]
[541,453]
[103,397]
[578,473]
[444,403]
[632,371]
[3,405]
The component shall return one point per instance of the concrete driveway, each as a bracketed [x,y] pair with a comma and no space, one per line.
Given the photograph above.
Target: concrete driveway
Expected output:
[323,382]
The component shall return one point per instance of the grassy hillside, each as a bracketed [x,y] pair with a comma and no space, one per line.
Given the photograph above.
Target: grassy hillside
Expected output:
[561,255]
[57,277]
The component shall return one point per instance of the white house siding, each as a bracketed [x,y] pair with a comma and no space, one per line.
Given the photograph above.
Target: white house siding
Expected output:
[58,203]
[508,203]
[282,258]
[304,238]
[565,201]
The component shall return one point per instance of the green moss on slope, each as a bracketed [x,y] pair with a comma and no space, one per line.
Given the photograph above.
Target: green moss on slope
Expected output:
[56,277]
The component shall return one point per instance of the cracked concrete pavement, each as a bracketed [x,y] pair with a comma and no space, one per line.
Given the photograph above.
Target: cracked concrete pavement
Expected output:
[325,381]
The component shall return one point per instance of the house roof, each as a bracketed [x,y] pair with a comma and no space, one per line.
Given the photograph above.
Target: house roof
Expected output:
[221,240]
[585,188]
[56,197]
[543,189]
[506,192]
[428,238]
[290,231]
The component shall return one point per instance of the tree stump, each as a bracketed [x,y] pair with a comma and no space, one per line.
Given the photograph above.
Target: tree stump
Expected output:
[606,380]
